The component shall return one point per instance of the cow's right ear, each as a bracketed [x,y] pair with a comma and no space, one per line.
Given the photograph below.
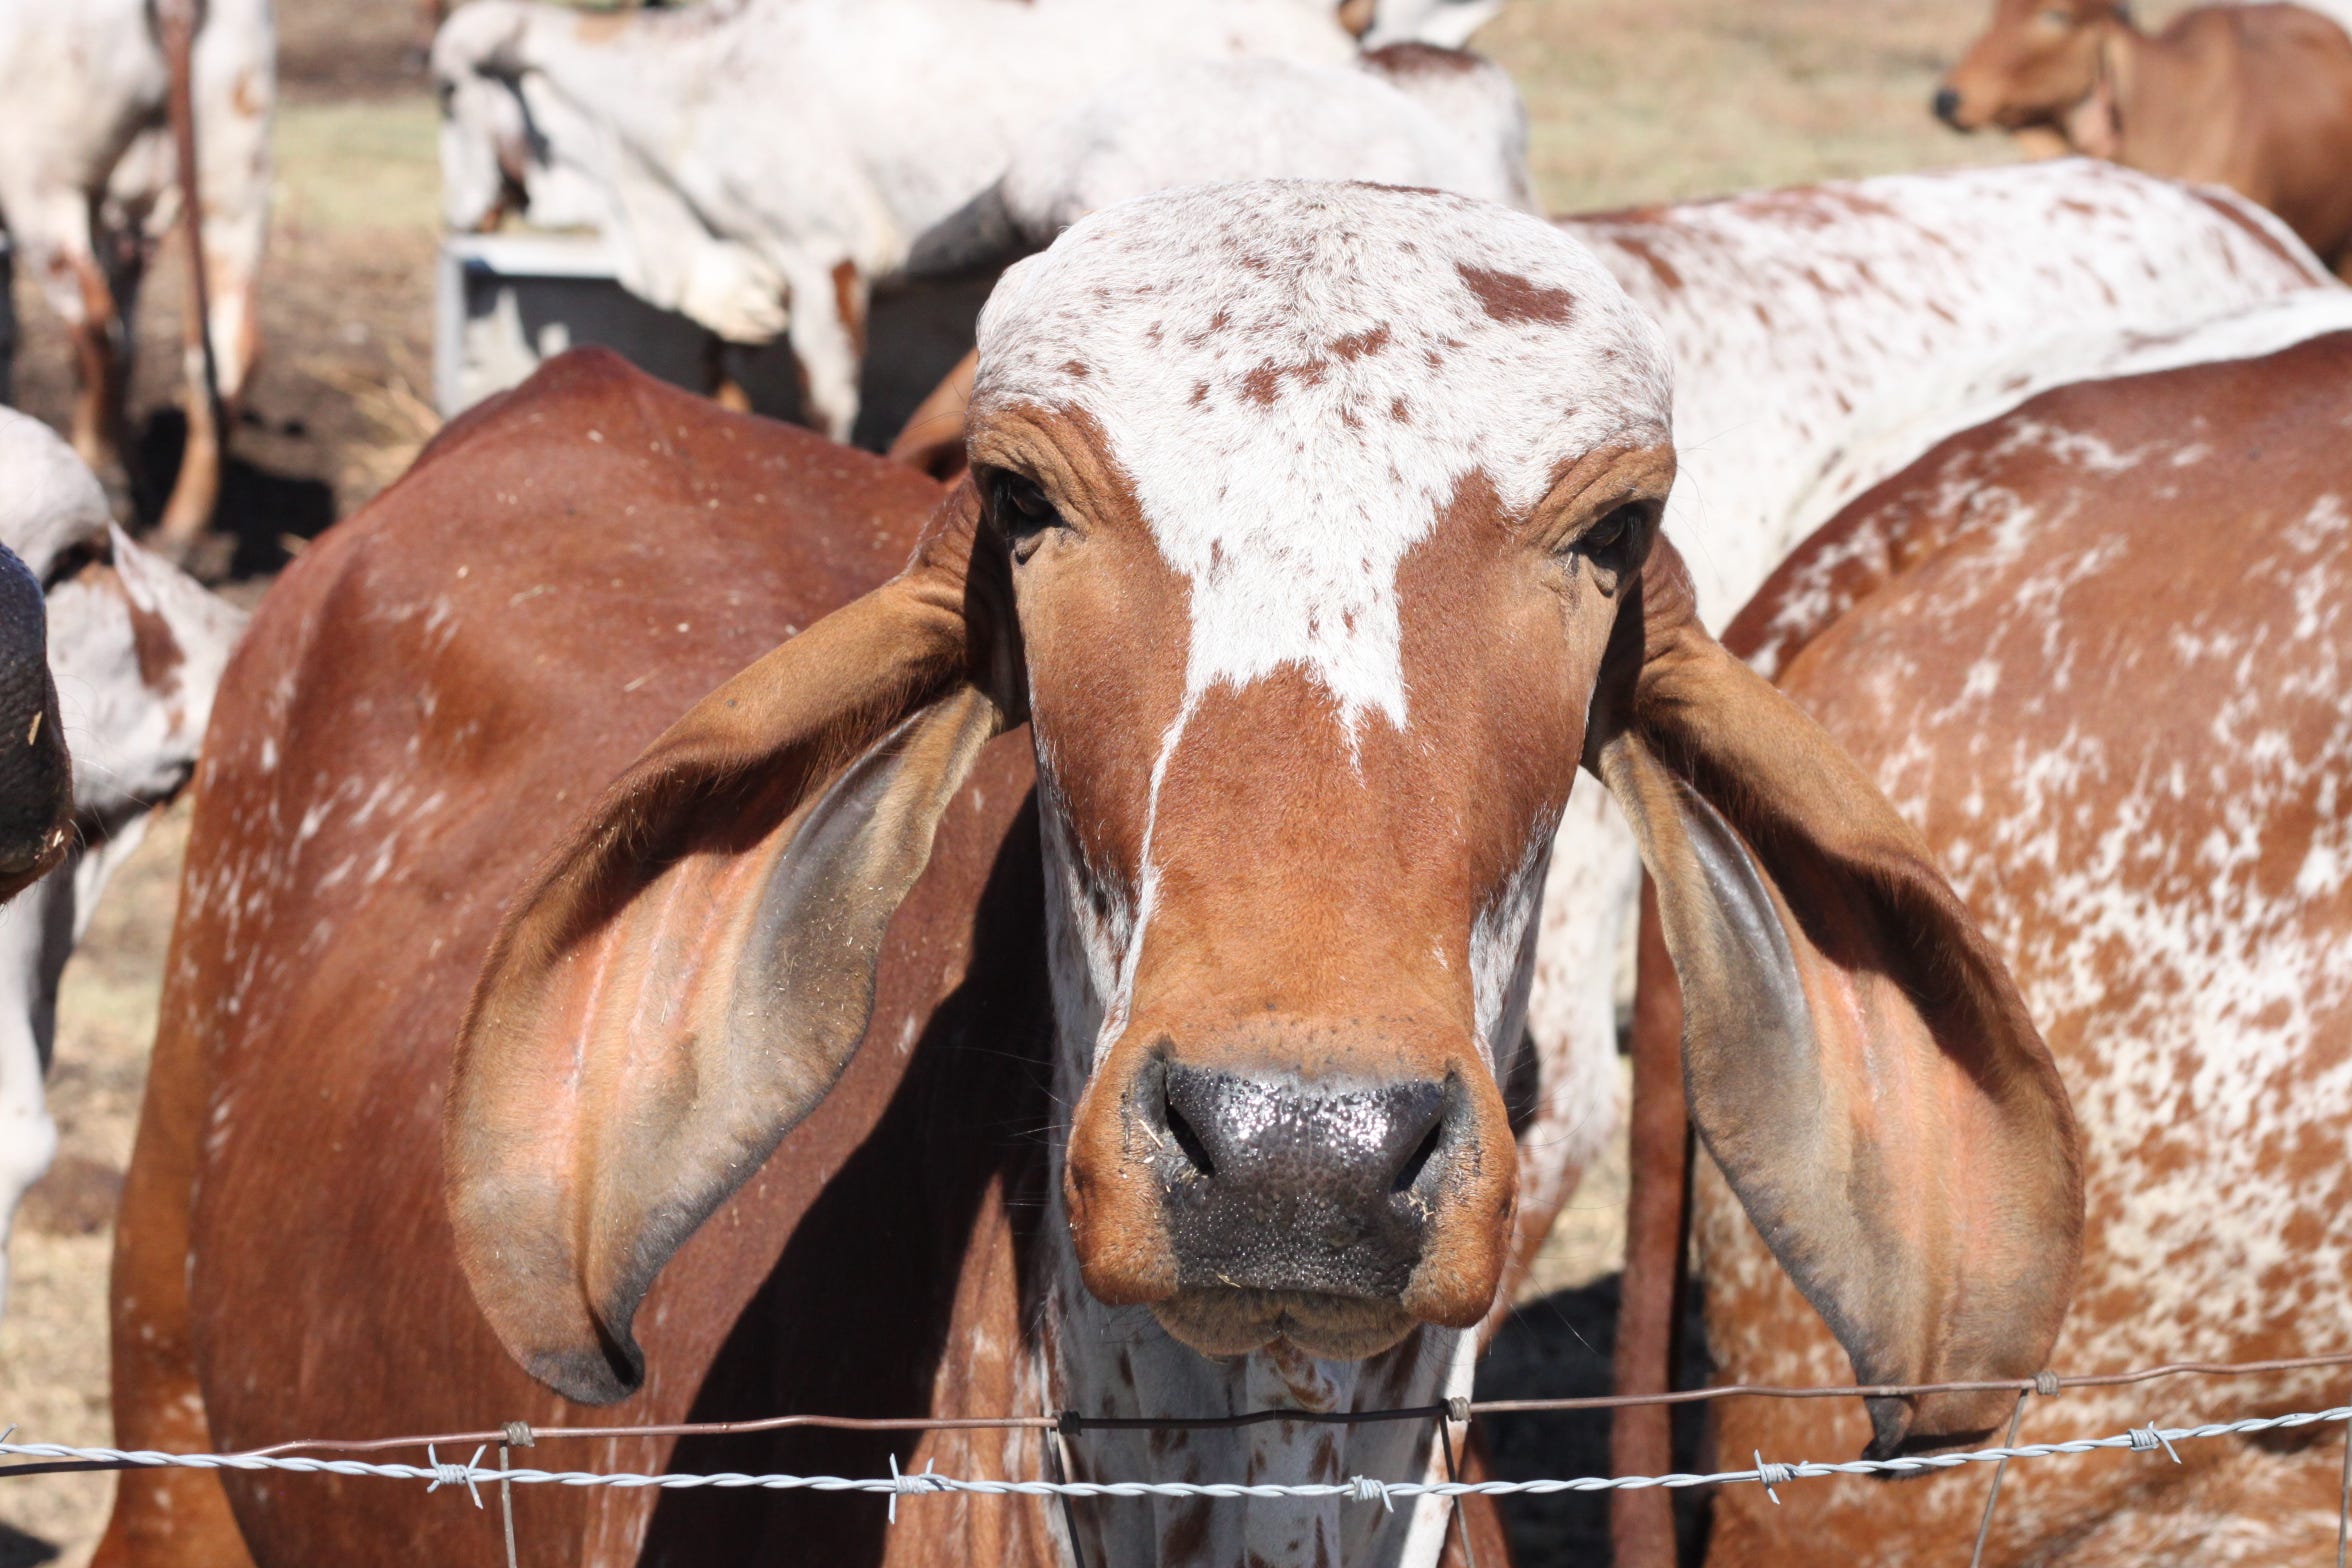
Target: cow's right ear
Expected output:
[691,969]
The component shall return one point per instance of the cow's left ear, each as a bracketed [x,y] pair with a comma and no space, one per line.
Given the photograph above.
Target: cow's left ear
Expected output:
[1857,1057]
[690,970]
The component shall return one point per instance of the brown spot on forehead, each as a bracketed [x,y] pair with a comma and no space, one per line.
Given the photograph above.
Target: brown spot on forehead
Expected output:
[1512,299]
[1356,345]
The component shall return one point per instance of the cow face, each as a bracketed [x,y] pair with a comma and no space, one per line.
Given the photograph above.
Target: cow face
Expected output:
[1312,530]
[1320,504]
[2036,61]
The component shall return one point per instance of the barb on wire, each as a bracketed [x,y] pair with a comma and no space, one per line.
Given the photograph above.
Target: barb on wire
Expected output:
[898,1484]
[457,1475]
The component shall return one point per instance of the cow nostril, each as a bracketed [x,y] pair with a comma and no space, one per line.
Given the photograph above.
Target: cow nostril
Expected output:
[1188,1140]
[1409,1173]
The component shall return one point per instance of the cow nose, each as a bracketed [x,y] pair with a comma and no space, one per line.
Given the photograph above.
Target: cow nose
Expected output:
[1273,1183]
[1947,106]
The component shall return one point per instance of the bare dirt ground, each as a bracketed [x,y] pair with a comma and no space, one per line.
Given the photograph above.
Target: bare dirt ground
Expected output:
[1633,101]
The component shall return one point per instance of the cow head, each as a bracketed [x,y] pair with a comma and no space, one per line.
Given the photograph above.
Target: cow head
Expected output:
[507,145]
[1312,528]
[2036,64]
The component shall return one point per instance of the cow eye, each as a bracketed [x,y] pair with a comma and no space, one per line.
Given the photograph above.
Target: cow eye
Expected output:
[1611,547]
[1023,513]
[1614,533]
[2058,18]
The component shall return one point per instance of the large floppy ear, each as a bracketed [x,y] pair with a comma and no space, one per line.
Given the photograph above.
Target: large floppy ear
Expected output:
[689,972]
[1857,1058]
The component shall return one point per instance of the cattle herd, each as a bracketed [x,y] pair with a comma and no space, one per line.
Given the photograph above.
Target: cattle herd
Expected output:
[1133,901]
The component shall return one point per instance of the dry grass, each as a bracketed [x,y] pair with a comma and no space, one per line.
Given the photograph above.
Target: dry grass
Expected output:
[1633,101]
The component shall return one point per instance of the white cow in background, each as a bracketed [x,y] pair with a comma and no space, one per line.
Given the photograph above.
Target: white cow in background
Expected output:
[758,165]
[137,650]
[89,184]
[1403,115]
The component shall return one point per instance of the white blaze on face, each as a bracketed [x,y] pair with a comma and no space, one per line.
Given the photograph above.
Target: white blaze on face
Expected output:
[1297,378]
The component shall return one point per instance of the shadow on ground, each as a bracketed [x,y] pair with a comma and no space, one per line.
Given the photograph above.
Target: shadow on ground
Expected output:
[20,1550]
[264,517]
[1558,1347]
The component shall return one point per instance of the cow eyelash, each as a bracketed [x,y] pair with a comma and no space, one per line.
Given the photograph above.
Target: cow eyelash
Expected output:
[1615,532]
[1023,513]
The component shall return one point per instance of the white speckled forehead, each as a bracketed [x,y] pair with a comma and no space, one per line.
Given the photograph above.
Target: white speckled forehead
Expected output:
[1297,377]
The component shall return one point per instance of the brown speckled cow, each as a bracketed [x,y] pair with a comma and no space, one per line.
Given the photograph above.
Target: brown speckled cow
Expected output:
[2099,651]
[2254,97]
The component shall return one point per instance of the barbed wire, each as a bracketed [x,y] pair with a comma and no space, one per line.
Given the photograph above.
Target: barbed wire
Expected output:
[1071,1422]
[1367,1489]
[46,1458]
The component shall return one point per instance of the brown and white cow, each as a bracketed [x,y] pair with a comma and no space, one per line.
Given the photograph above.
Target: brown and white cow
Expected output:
[2257,98]
[90,178]
[137,649]
[1312,540]
[2097,651]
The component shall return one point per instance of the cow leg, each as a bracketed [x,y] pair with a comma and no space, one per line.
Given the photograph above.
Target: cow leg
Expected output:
[78,290]
[828,340]
[57,231]
[236,96]
[163,1517]
[196,489]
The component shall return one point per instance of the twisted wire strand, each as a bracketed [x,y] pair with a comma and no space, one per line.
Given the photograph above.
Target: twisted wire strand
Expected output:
[1071,1422]
[440,1473]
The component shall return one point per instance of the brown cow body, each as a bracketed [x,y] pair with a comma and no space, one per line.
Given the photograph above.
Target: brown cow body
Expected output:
[579,603]
[2257,98]
[2098,651]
